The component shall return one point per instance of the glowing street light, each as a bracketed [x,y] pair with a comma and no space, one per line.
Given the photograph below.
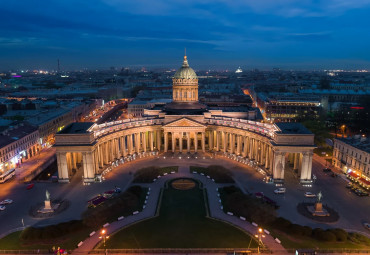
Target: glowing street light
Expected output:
[260,236]
[103,235]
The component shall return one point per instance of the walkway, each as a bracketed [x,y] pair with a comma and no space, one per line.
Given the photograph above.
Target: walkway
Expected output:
[149,211]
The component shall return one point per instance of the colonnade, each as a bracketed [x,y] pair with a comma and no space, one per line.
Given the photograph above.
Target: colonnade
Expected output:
[242,144]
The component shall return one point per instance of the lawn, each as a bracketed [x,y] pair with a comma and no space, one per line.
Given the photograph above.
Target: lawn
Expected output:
[219,173]
[182,223]
[147,174]
[13,241]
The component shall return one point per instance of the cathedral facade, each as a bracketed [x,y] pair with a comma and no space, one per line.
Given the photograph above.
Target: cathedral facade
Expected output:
[181,127]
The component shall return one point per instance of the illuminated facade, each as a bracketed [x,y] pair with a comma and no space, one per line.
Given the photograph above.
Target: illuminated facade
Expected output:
[352,156]
[181,127]
[18,143]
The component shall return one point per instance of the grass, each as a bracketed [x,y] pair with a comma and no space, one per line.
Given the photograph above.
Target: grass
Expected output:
[69,242]
[147,174]
[182,223]
[218,173]
[292,242]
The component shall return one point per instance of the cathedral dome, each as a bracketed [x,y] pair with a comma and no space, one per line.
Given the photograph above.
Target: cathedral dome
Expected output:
[185,72]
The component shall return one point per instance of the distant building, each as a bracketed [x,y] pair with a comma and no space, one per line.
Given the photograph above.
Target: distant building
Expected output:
[17,143]
[352,156]
[285,107]
[239,70]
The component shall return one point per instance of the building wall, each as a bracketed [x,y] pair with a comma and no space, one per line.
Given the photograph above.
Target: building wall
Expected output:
[348,157]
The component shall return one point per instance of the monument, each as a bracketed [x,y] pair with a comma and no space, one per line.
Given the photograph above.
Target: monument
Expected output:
[317,209]
[48,208]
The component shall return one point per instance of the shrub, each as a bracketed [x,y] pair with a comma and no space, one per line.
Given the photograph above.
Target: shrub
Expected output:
[296,229]
[307,231]
[51,232]
[147,174]
[316,232]
[282,224]
[327,236]
[340,234]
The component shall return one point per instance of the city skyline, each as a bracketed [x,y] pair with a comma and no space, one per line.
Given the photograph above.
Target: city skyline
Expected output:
[222,35]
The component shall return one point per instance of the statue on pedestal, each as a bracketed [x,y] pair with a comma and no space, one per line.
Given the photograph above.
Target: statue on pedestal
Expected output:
[47,195]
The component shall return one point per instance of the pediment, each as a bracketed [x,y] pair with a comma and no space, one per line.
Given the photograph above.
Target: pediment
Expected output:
[185,122]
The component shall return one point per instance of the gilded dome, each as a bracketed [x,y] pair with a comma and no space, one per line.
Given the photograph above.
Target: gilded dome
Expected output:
[185,72]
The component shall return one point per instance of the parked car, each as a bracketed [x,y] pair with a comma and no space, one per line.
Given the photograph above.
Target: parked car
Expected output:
[2,207]
[367,225]
[349,185]
[6,201]
[334,175]
[30,186]
[309,194]
[326,170]
[280,191]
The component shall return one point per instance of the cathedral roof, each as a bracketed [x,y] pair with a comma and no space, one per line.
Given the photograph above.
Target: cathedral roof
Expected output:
[185,72]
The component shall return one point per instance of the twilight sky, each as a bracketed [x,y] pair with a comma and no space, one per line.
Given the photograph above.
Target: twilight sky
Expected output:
[297,34]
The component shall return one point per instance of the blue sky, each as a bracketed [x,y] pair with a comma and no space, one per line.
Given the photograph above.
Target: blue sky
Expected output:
[290,34]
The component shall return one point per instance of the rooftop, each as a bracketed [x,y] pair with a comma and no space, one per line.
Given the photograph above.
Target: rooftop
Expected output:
[77,128]
[361,143]
[292,128]
[14,133]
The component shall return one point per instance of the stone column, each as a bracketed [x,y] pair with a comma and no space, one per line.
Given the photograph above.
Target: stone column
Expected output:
[224,140]
[137,142]
[144,140]
[74,160]
[279,164]
[218,140]
[272,158]
[196,141]
[106,157]
[180,142]
[88,166]
[151,140]
[159,140]
[131,144]
[124,146]
[306,166]
[238,144]
[165,141]
[188,141]
[250,148]
[96,161]
[211,147]
[100,156]
[231,146]
[117,148]
[203,141]
[296,160]
[245,146]
[267,158]
[62,167]
[173,141]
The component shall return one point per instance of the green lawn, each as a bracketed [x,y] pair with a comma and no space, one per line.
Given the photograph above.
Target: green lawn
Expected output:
[182,223]
[13,242]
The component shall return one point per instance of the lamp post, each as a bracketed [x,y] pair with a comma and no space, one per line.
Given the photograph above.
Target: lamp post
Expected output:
[104,236]
[259,236]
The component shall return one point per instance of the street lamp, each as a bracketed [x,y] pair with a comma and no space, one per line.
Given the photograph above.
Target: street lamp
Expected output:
[103,235]
[260,236]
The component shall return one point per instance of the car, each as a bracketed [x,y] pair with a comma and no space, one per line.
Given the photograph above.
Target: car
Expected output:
[30,186]
[6,201]
[309,194]
[280,191]
[367,225]
[326,170]
[334,175]
[2,207]
[349,185]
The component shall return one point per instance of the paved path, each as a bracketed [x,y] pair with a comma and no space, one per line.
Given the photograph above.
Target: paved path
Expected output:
[149,212]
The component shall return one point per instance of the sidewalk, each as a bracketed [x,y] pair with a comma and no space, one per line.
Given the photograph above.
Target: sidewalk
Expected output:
[149,211]
[31,166]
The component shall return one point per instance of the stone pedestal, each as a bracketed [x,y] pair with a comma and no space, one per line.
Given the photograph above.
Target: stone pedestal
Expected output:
[318,210]
[47,205]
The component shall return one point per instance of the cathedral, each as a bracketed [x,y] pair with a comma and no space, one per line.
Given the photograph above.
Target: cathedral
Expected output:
[181,127]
